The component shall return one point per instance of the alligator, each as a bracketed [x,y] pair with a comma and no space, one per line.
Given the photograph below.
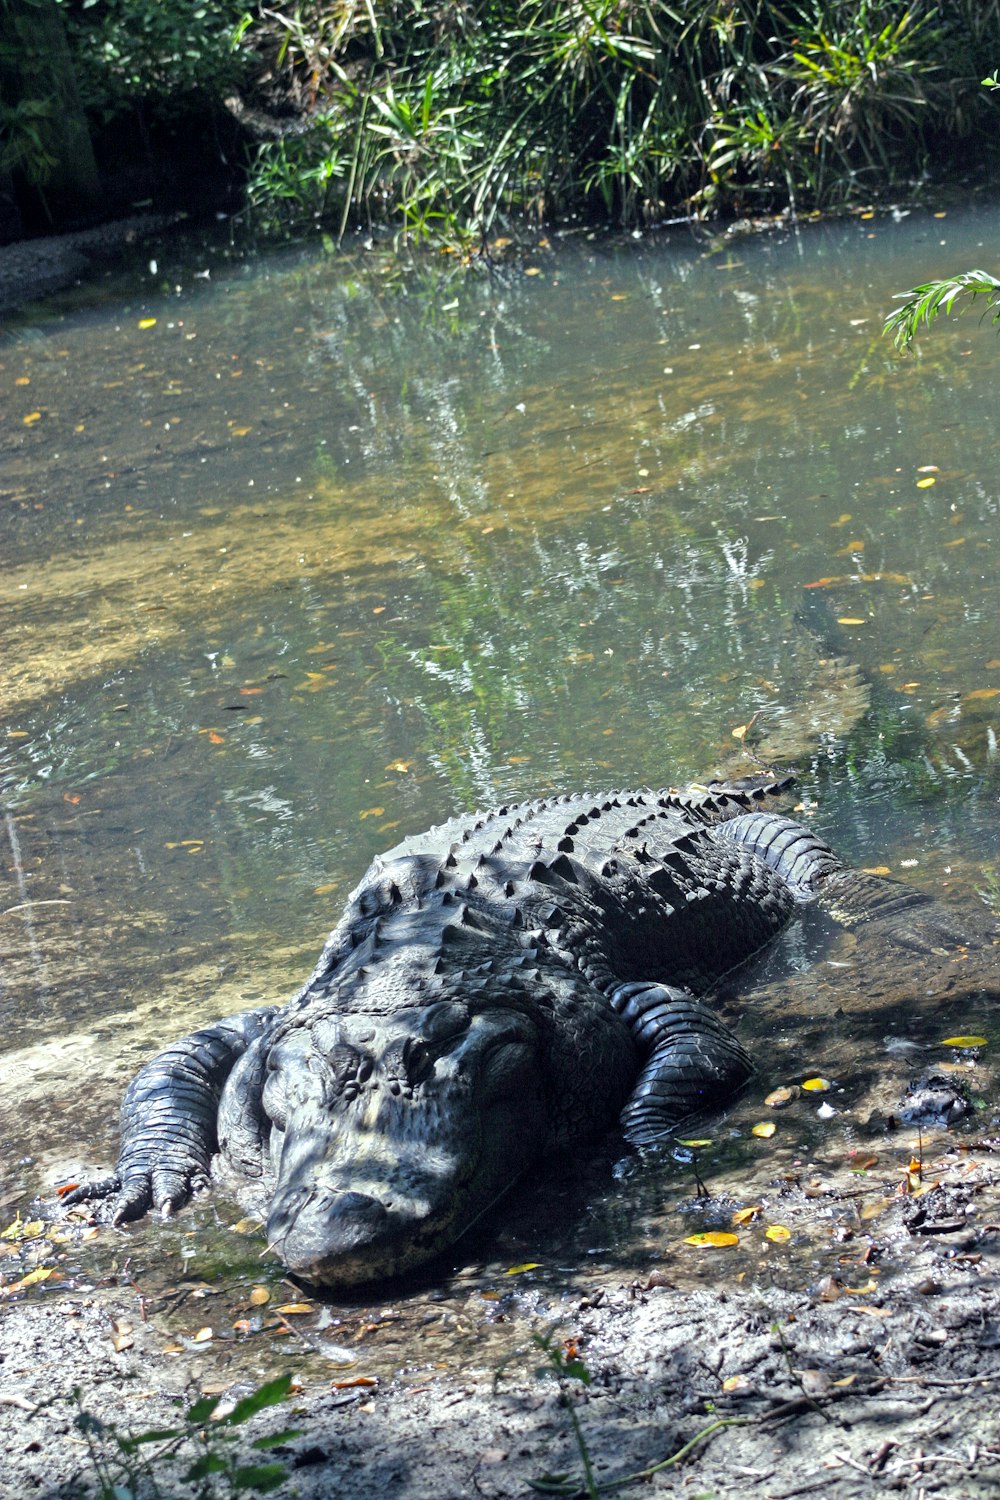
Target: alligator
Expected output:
[496,989]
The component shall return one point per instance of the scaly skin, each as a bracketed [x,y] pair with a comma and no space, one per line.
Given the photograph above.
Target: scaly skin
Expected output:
[494,989]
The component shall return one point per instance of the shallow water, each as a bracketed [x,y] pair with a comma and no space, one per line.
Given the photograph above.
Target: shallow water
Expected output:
[302,555]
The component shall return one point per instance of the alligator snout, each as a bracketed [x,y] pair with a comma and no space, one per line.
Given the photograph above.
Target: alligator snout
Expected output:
[315,1229]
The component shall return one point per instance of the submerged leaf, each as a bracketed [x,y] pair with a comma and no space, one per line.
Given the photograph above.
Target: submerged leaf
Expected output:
[964,1041]
[712,1239]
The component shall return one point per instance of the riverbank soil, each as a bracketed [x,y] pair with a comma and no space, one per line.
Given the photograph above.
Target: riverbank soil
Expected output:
[873,1368]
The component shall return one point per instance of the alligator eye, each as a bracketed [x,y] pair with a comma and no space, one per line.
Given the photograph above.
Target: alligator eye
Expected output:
[418,1060]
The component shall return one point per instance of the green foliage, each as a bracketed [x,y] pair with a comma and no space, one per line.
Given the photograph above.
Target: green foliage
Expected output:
[924,303]
[448,120]
[159,51]
[204,1443]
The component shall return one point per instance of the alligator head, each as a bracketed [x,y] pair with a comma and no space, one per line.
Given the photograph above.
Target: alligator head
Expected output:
[391,1133]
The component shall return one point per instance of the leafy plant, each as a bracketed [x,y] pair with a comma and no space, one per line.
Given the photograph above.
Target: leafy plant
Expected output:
[125,1465]
[925,302]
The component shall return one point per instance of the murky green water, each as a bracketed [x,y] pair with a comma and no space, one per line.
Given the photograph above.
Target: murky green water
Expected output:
[300,556]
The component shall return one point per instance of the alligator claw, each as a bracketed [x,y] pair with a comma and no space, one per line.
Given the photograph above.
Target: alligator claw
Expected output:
[93,1187]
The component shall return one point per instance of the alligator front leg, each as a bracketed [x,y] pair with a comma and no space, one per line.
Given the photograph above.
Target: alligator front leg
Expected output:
[169,1120]
[692,1060]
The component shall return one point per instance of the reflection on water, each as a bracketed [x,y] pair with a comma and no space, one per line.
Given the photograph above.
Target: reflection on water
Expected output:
[301,557]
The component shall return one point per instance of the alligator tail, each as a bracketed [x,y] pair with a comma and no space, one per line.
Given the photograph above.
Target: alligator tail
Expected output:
[794,852]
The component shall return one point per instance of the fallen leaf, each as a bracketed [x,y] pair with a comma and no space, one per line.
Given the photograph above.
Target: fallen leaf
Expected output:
[292,1309]
[528,1265]
[203,1336]
[259,1295]
[355,1380]
[147,322]
[817,1085]
[42,1274]
[371,812]
[746,1215]
[851,620]
[778,1098]
[925,484]
[963,1041]
[777,1232]
[742,730]
[247,1226]
[765,1129]
[714,1239]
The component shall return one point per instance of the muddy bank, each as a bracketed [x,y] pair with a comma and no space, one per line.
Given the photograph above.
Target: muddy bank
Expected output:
[30,269]
[868,1368]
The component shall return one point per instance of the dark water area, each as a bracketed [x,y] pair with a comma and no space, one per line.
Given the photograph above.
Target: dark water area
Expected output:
[301,555]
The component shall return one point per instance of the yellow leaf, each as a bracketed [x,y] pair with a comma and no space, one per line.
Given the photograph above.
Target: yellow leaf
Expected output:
[736,1383]
[876,870]
[817,1085]
[290,1309]
[746,1215]
[203,1336]
[850,620]
[402,766]
[982,693]
[777,1232]
[714,1239]
[324,890]
[532,271]
[240,431]
[259,1295]
[925,484]
[247,1226]
[147,322]
[964,1041]
[696,1142]
[32,417]
[765,1129]
[371,812]
[778,1098]
[528,1265]
[32,1277]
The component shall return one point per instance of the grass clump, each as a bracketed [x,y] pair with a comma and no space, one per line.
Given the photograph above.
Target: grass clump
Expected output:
[451,119]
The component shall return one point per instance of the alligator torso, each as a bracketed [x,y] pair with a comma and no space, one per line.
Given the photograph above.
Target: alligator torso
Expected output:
[495,988]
